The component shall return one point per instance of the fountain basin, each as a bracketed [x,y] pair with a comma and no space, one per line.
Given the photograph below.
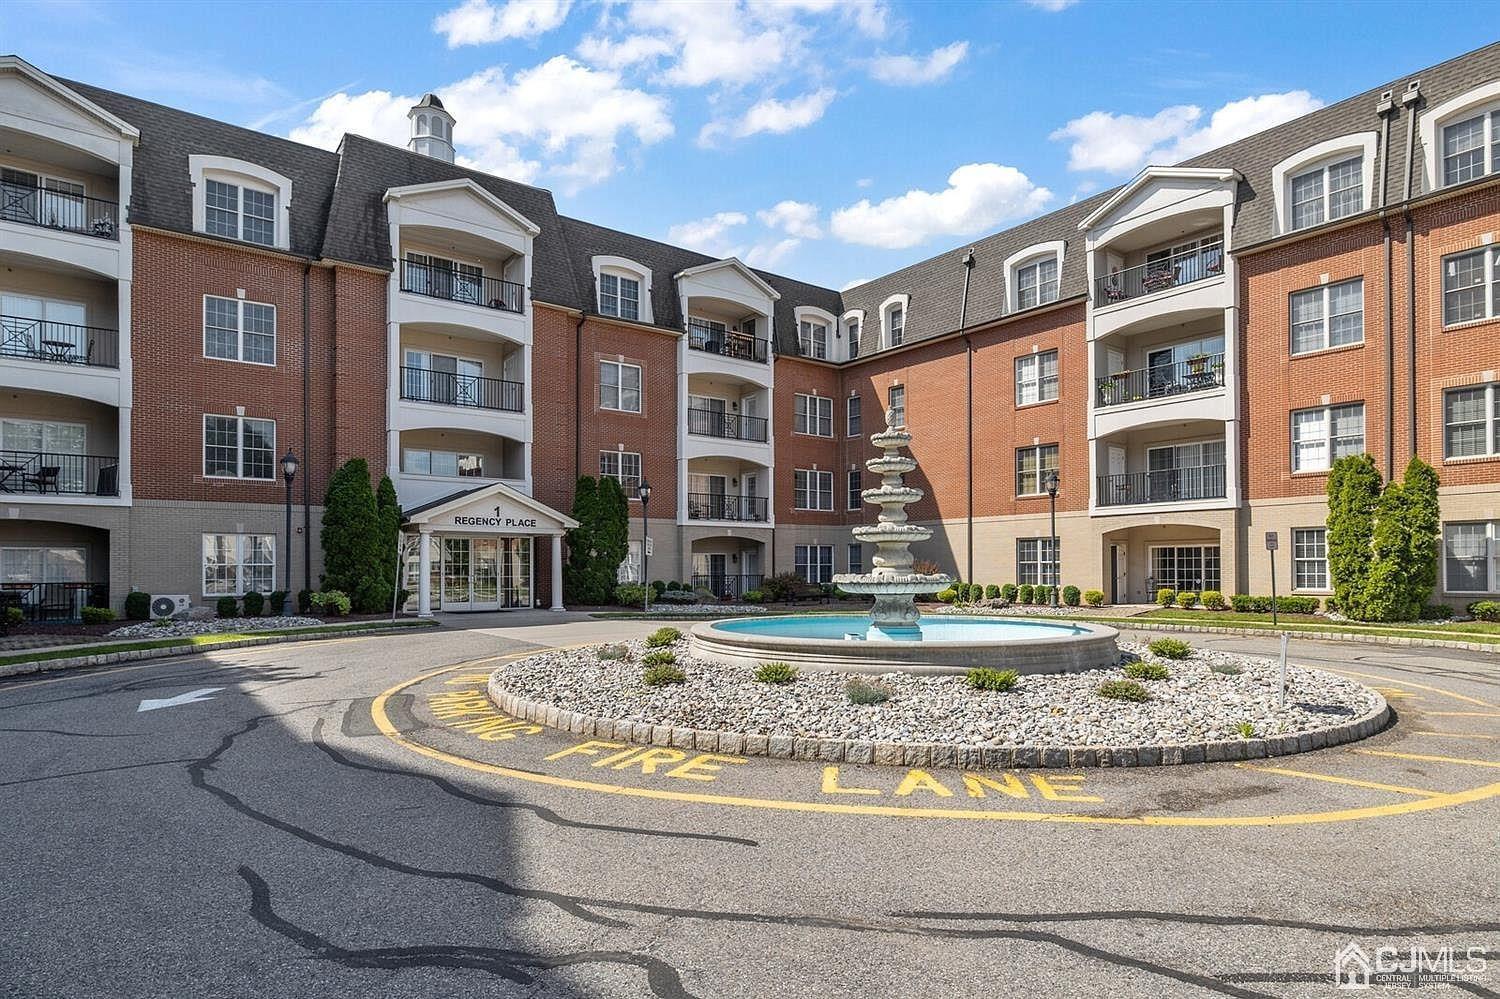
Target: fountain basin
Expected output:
[851,643]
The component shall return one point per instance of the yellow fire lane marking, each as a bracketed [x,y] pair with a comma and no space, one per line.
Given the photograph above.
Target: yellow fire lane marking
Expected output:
[1407,683]
[1428,759]
[386,728]
[1352,782]
[1465,714]
[1453,735]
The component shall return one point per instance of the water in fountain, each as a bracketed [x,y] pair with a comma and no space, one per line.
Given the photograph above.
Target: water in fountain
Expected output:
[891,580]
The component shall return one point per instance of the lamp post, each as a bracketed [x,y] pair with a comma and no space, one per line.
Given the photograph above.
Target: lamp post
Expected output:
[1051,484]
[288,472]
[643,493]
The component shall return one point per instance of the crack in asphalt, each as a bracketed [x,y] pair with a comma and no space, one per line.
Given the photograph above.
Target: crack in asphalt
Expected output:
[80,735]
[1200,920]
[95,770]
[665,981]
[540,811]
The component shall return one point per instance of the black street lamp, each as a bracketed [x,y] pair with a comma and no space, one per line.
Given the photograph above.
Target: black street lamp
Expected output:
[1051,486]
[288,472]
[643,493]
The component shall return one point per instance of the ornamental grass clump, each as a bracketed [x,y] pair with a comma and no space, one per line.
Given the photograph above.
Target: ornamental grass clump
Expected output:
[776,673]
[663,637]
[1170,648]
[659,657]
[998,680]
[662,675]
[866,693]
[614,652]
[1244,730]
[1123,690]
[1226,669]
[1142,670]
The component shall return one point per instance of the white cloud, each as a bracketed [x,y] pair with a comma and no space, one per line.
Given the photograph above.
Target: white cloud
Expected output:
[768,255]
[979,196]
[1051,6]
[870,18]
[559,118]
[911,71]
[771,115]
[795,218]
[709,235]
[1123,143]
[477,22]
[854,284]
[864,182]
[618,54]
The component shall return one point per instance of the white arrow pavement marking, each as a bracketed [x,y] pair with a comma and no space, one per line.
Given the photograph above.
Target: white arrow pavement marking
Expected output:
[151,704]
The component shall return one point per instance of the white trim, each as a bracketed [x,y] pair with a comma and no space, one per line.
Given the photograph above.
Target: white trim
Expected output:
[484,492]
[1149,174]
[811,313]
[734,263]
[904,300]
[240,304]
[1029,255]
[239,562]
[813,416]
[239,447]
[620,385]
[465,184]
[21,67]
[625,267]
[1324,153]
[202,167]
[1433,119]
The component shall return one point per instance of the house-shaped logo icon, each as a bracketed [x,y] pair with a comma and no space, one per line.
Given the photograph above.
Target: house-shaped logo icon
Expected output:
[1351,968]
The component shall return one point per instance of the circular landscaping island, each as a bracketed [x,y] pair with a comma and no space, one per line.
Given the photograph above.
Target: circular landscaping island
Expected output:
[1161,704]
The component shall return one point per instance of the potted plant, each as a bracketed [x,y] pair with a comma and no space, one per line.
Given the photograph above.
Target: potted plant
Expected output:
[1198,363]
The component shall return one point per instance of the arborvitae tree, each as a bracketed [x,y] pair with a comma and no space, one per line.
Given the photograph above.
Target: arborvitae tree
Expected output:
[1387,588]
[599,543]
[351,537]
[612,533]
[1424,528]
[578,584]
[1353,494]
[388,510]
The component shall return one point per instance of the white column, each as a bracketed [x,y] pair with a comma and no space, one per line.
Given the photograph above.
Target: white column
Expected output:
[557,581]
[424,573]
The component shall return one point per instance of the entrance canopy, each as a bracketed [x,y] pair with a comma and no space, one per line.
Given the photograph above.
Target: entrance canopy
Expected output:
[494,508]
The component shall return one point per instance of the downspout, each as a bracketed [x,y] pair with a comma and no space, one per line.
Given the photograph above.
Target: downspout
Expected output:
[963,323]
[577,398]
[1410,100]
[306,435]
[1384,109]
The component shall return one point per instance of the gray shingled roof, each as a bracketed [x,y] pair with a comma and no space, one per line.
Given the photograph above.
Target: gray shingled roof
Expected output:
[161,194]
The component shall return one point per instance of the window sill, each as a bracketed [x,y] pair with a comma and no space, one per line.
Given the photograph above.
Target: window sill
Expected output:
[1309,474]
[1039,402]
[1469,324]
[1319,352]
[1472,459]
[237,360]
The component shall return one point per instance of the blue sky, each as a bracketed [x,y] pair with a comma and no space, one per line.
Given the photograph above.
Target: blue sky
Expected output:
[830,141]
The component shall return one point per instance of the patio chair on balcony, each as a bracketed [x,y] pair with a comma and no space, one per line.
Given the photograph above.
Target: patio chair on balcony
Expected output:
[46,478]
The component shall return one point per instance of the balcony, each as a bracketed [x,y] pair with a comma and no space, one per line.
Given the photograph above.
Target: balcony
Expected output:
[462,286]
[1196,374]
[42,473]
[1159,275]
[1166,485]
[473,391]
[741,346]
[53,602]
[719,506]
[727,586]
[53,209]
[728,426]
[58,343]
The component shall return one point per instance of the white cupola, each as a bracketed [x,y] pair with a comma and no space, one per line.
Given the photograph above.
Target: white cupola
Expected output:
[431,129]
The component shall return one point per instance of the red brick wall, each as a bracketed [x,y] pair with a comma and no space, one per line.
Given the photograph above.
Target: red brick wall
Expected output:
[554,441]
[794,450]
[653,431]
[359,359]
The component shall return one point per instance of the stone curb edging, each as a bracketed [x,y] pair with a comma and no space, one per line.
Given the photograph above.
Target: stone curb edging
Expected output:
[135,655]
[1129,624]
[786,747]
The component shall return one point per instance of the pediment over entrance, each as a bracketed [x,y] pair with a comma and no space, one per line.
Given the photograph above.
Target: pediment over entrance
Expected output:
[489,509]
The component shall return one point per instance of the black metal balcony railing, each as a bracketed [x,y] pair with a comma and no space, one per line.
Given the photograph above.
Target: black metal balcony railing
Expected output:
[726,586]
[450,389]
[53,602]
[1165,485]
[712,423]
[460,286]
[43,473]
[50,209]
[1160,275]
[712,506]
[1196,374]
[729,344]
[59,343]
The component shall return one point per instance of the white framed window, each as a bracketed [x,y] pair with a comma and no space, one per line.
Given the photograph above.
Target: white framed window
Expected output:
[49,443]
[813,489]
[856,557]
[813,415]
[852,419]
[814,563]
[1471,557]
[1471,422]
[1330,316]
[238,447]
[1037,561]
[236,564]
[239,212]
[1032,467]
[856,485]
[1471,286]
[1471,147]
[812,339]
[1185,568]
[235,330]
[1310,558]
[624,467]
[619,295]
[851,337]
[1036,283]
[893,320]
[620,386]
[1324,434]
[897,405]
[1036,377]
[1328,192]
[44,564]
[447,464]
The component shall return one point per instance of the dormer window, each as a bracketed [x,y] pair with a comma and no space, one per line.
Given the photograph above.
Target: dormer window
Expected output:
[619,296]
[1036,283]
[239,200]
[895,324]
[851,336]
[240,213]
[812,339]
[1328,192]
[1467,144]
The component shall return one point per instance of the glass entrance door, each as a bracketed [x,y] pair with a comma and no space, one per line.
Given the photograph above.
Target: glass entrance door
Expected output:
[456,567]
[485,589]
[515,589]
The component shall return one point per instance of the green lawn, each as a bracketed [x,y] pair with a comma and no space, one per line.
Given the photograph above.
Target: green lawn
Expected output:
[142,644]
[1467,631]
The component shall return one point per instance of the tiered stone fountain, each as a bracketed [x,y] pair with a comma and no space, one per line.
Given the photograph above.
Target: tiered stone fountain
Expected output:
[891,581]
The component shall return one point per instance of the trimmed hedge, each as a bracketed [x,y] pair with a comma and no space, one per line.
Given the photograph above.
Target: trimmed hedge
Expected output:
[1094,598]
[1008,592]
[1247,604]
[1166,596]
[1214,600]
[137,605]
[1071,595]
[998,680]
[227,607]
[1485,610]
[1024,593]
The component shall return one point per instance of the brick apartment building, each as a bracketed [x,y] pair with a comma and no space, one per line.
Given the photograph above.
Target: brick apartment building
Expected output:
[182,302]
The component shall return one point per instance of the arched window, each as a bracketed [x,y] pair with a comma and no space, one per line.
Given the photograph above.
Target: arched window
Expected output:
[1033,276]
[1461,137]
[1325,182]
[893,320]
[623,288]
